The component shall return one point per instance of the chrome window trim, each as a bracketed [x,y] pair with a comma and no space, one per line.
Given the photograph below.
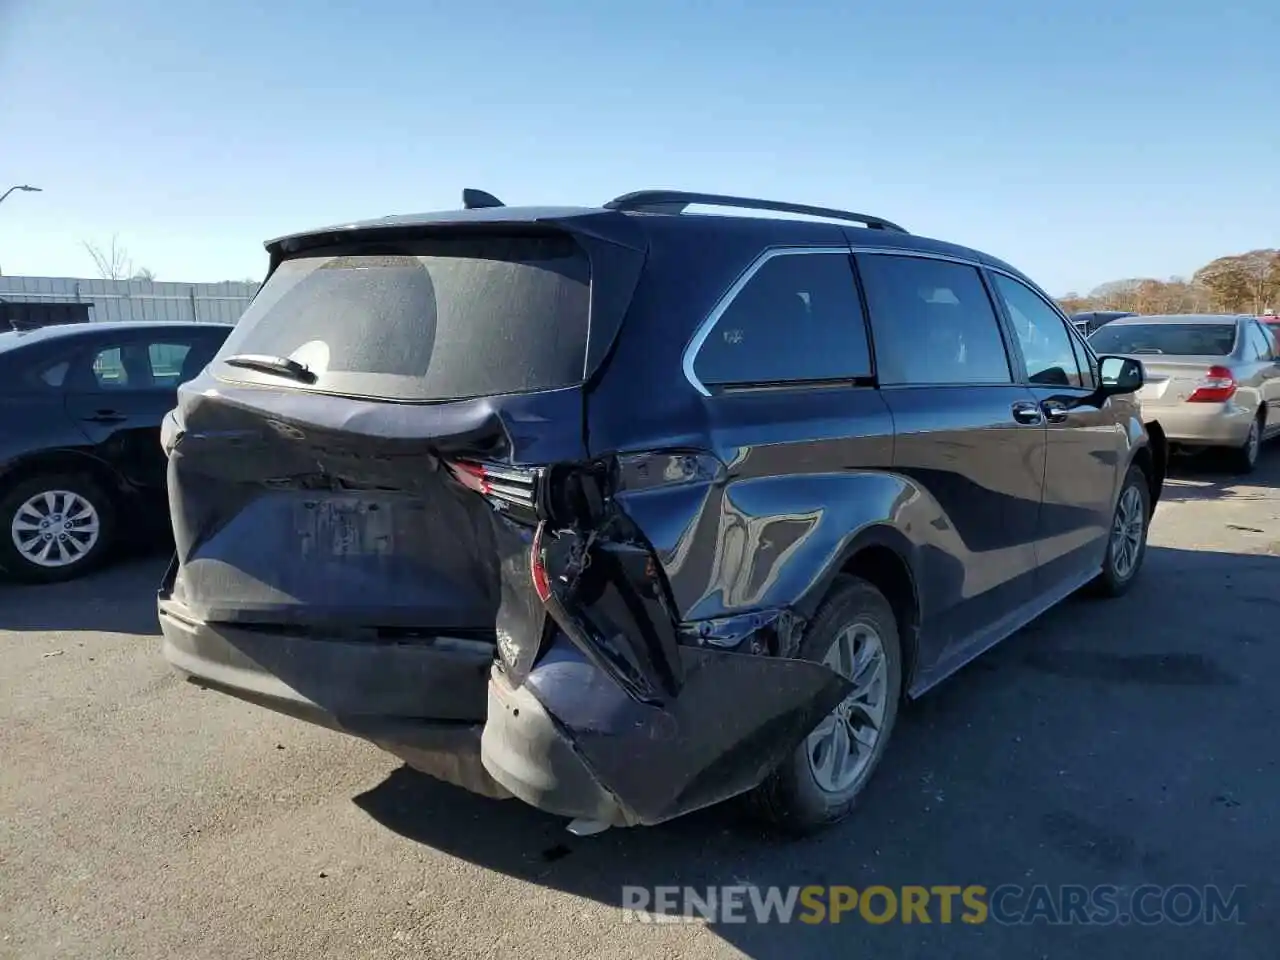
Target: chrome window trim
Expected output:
[923,254]
[726,300]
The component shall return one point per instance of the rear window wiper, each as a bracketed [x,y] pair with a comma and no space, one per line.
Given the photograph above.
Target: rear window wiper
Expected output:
[269,364]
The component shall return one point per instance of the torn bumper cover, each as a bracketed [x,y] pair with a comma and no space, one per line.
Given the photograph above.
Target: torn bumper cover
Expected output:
[571,741]
[591,707]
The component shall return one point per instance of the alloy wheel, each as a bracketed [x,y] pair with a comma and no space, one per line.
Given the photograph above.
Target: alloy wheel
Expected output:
[841,747]
[55,528]
[1126,532]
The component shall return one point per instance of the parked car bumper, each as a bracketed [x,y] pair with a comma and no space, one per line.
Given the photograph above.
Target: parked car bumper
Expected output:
[1204,424]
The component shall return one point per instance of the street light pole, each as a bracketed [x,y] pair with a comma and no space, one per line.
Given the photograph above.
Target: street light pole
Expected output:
[25,188]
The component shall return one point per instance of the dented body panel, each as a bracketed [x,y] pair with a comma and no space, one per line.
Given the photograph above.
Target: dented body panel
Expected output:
[589,595]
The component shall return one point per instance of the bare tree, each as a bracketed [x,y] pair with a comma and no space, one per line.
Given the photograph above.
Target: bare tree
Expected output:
[144,273]
[112,263]
[1243,282]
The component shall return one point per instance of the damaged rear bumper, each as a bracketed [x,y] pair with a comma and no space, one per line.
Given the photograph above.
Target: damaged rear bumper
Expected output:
[571,741]
[379,694]
[568,740]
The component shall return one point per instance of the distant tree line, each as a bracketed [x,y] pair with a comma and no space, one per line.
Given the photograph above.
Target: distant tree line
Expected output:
[1241,283]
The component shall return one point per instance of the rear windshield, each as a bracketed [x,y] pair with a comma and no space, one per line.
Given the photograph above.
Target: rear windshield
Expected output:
[1174,339]
[442,320]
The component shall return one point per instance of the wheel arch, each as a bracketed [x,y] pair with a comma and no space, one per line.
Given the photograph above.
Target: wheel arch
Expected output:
[65,461]
[880,555]
[1152,458]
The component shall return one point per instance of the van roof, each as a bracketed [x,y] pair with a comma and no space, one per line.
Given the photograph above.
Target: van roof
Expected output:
[776,230]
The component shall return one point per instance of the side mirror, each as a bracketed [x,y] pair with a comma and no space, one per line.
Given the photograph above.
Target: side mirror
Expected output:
[1121,375]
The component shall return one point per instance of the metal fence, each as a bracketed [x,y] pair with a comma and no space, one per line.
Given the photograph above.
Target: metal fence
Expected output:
[32,298]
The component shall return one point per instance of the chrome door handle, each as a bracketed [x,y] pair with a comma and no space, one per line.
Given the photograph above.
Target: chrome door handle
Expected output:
[1055,411]
[1024,411]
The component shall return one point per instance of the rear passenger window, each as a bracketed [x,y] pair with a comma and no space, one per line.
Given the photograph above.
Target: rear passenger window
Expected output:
[109,369]
[1261,343]
[798,318]
[933,322]
[166,362]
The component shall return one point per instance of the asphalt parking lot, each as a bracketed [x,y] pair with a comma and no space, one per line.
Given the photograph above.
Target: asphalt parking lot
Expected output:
[1122,742]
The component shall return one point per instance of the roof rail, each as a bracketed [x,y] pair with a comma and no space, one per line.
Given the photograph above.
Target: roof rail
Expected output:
[675,201]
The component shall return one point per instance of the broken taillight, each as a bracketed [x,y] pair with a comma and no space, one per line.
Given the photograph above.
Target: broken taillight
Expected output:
[1217,386]
[538,567]
[470,475]
[517,486]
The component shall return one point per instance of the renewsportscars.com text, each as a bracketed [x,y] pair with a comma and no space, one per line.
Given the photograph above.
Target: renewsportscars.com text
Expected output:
[1008,904]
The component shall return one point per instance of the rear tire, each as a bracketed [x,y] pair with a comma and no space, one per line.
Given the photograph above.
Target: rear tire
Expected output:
[55,527]
[854,631]
[1245,458]
[1127,538]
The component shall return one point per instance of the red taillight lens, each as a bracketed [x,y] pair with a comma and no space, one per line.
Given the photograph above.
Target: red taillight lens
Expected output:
[1217,386]
[537,569]
[470,475]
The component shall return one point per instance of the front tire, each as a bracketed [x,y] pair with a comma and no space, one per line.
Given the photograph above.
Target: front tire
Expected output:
[54,527]
[1127,543]
[856,633]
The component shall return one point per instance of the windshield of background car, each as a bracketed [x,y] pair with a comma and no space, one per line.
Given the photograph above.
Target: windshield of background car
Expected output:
[444,319]
[1172,339]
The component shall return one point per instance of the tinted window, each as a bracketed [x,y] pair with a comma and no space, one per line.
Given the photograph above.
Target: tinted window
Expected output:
[933,322]
[142,365]
[1046,344]
[451,319]
[166,361]
[1173,339]
[797,318]
[109,370]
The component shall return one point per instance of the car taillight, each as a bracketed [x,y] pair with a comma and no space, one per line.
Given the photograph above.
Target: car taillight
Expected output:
[470,475]
[1217,386]
[516,486]
[537,568]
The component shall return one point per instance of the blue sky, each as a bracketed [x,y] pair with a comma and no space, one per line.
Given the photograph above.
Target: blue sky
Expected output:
[1082,141]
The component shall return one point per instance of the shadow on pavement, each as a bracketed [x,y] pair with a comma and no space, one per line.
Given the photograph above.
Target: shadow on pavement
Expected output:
[1206,476]
[120,598]
[1121,742]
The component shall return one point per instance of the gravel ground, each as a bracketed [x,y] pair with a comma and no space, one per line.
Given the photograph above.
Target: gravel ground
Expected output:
[1126,742]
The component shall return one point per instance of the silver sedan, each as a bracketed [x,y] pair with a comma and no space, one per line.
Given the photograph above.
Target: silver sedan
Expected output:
[1211,380]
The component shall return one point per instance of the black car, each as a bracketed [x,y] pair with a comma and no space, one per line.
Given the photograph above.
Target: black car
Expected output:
[1088,322]
[624,511]
[80,456]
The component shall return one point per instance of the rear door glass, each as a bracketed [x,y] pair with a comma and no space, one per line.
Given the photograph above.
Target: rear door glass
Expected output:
[933,322]
[797,319]
[442,320]
[166,362]
[1260,342]
[110,372]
